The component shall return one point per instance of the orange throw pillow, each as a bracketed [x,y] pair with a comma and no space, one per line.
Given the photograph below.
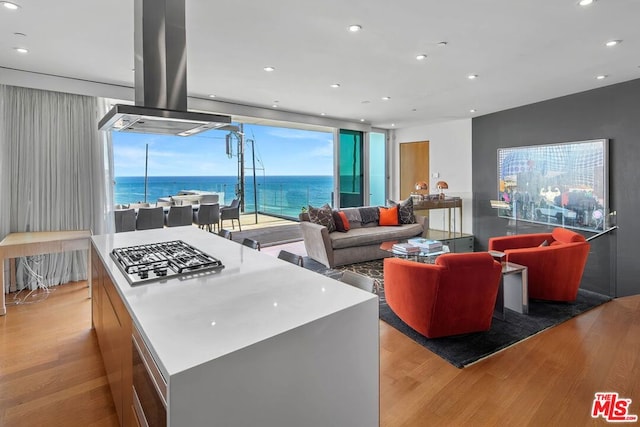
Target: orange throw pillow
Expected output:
[388,216]
[342,223]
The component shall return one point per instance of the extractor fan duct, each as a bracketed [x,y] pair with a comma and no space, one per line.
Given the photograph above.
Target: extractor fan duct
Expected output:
[160,77]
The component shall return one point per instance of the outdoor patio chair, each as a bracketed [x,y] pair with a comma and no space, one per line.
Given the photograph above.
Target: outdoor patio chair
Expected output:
[291,257]
[179,216]
[125,220]
[231,212]
[207,215]
[209,199]
[150,218]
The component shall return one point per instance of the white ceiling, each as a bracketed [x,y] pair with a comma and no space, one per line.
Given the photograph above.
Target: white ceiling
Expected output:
[523,51]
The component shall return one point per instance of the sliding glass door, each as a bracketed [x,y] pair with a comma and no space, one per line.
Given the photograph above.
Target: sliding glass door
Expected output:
[350,168]
[377,169]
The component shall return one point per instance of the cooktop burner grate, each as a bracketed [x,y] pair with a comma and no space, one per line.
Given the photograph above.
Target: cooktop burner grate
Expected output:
[158,261]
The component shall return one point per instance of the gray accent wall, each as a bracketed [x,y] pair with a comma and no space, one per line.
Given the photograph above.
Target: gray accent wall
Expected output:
[611,112]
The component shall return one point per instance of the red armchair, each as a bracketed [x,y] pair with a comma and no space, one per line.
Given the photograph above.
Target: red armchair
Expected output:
[456,295]
[554,271]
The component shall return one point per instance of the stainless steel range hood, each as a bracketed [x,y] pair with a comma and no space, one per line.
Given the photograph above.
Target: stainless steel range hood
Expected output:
[160,77]
[132,118]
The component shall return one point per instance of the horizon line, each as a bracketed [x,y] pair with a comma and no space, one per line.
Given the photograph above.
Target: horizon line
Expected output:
[205,176]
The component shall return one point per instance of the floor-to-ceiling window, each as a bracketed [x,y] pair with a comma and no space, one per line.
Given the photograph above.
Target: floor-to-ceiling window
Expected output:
[288,168]
[377,169]
[293,169]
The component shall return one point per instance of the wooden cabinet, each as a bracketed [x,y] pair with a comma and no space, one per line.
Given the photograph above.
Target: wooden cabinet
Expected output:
[96,286]
[112,323]
[134,418]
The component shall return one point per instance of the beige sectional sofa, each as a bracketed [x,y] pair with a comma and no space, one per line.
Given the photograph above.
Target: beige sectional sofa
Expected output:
[361,243]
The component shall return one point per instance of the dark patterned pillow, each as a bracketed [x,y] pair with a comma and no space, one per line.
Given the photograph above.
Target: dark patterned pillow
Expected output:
[405,211]
[342,223]
[322,216]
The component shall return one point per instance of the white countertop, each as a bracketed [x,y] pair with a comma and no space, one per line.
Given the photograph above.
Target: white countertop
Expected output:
[256,296]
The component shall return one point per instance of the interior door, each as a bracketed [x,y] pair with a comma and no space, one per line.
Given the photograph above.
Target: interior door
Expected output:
[414,166]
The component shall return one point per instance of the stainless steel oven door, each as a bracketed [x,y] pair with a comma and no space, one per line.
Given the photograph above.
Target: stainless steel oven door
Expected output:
[149,386]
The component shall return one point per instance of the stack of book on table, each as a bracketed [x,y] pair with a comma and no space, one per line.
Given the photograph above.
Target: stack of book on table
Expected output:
[426,245]
[405,249]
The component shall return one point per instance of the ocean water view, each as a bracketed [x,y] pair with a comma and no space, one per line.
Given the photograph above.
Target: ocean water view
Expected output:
[278,195]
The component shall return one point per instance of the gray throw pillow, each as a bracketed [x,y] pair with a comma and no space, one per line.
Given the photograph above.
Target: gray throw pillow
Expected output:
[353,215]
[322,216]
[369,214]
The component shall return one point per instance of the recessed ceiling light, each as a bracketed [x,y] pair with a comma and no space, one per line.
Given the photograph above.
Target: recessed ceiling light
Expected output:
[473,110]
[275,105]
[269,69]
[393,125]
[585,2]
[386,98]
[365,102]
[442,44]
[355,28]
[212,96]
[20,34]
[362,120]
[472,76]
[323,114]
[611,43]
[421,56]
[601,77]
[335,85]
[21,50]
[10,6]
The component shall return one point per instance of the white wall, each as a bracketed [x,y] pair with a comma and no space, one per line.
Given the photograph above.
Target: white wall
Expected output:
[240,112]
[450,156]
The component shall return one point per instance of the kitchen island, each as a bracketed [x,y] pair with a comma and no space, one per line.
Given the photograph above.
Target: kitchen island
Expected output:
[261,342]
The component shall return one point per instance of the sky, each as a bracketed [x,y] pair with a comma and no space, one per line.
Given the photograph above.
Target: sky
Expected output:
[280,151]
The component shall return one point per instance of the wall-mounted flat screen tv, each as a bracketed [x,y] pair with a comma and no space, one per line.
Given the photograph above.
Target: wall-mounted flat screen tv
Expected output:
[563,184]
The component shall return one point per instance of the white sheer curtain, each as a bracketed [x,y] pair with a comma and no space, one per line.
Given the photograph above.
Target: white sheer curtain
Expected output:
[56,173]
[5,172]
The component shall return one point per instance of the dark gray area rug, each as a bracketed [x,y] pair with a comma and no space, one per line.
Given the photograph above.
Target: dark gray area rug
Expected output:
[463,350]
[270,236]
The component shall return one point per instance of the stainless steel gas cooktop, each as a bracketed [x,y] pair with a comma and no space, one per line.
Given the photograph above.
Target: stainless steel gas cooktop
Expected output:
[160,261]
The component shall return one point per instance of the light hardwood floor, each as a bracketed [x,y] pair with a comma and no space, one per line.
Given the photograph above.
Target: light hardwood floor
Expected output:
[51,373]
